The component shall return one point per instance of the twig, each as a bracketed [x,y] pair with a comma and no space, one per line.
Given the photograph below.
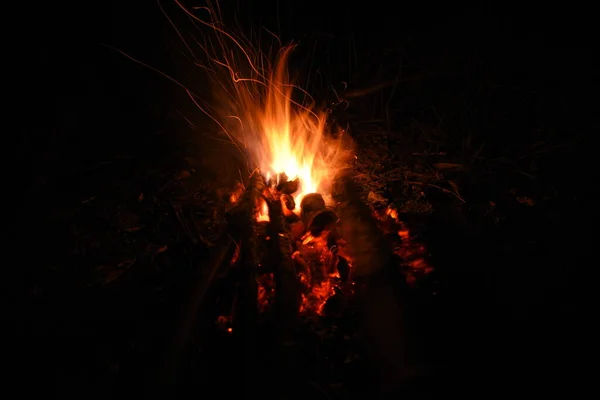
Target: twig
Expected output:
[458,196]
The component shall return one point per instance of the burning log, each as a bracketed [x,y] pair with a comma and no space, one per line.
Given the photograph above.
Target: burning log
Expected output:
[272,235]
[287,187]
[310,204]
[290,204]
[286,300]
[315,215]
[286,305]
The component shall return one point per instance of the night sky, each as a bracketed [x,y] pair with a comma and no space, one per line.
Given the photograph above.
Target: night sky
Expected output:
[105,105]
[61,44]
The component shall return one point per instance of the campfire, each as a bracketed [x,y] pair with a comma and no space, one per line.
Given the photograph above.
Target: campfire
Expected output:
[302,234]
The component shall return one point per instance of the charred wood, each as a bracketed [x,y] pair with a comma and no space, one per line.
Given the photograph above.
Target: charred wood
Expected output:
[286,301]
[321,221]
[287,291]
[288,187]
[315,215]
[310,204]
[289,202]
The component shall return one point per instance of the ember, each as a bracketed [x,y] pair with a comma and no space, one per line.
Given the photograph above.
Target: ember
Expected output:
[313,246]
[412,253]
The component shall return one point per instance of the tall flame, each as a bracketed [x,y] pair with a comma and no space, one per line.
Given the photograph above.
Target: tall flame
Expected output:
[257,111]
[293,138]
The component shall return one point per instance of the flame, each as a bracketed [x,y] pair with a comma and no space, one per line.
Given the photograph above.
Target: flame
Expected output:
[288,137]
[293,138]
[263,211]
[258,107]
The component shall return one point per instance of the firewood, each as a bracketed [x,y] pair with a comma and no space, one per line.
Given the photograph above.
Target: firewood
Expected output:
[289,187]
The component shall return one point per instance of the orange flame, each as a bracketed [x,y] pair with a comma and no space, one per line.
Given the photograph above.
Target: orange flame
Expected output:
[259,111]
[294,139]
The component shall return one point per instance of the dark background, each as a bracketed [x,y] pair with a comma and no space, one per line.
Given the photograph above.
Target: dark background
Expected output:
[102,102]
[77,103]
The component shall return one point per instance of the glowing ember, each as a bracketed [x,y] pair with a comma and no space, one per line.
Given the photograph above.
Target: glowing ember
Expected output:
[318,272]
[413,253]
[317,297]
